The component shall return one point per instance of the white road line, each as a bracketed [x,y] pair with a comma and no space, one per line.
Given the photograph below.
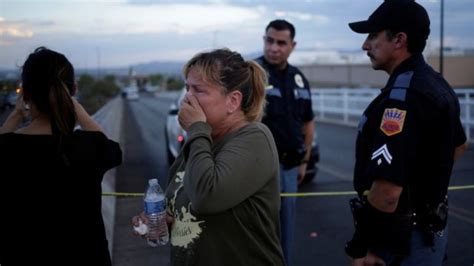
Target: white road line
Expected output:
[334,172]
[462,214]
[462,217]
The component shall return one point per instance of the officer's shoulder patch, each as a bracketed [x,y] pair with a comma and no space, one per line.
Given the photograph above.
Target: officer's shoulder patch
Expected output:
[299,80]
[392,121]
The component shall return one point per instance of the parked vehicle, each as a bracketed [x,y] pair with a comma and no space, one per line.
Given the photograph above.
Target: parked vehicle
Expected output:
[8,100]
[174,134]
[130,93]
[175,137]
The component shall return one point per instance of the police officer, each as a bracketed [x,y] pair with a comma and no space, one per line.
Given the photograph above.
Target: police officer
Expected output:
[289,116]
[408,140]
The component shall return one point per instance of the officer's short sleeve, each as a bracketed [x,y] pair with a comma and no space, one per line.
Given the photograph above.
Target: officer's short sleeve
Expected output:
[392,141]
[308,114]
[396,135]
[308,110]
[459,133]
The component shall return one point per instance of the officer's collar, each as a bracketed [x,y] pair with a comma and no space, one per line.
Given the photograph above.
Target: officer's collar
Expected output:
[274,68]
[407,65]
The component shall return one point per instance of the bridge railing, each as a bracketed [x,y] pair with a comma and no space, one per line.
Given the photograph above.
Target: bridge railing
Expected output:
[110,119]
[345,106]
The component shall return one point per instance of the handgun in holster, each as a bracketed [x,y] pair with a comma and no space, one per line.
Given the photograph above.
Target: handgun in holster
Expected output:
[382,230]
[433,221]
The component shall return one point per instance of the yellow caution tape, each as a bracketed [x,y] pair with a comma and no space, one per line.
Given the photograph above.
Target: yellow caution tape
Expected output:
[461,187]
[314,194]
[122,194]
[302,194]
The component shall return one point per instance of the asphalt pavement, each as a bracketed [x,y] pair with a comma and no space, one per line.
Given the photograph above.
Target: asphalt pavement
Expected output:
[323,222]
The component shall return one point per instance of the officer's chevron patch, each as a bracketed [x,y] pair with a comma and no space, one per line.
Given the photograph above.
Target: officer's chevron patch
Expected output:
[382,151]
[392,121]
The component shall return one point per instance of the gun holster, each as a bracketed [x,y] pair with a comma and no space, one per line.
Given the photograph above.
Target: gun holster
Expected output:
[433,220]
[292,158]
[391,231]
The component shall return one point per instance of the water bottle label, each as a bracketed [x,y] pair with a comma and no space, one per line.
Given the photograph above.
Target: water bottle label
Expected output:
[154,206]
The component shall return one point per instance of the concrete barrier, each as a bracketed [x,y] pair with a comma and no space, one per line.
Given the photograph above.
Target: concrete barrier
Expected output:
[110,119]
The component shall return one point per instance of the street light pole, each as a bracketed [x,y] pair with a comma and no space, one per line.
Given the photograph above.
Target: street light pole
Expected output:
[348,60]
[98,62]
[441,38]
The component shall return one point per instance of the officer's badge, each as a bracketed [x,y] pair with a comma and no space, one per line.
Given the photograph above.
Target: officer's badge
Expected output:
[299,80]
[392,121]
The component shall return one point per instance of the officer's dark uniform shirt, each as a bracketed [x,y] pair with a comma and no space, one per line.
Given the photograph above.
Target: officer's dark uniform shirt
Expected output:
[408,134]
[288,106]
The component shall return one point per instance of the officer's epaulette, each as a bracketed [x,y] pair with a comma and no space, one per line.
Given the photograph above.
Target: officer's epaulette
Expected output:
[259,60]
[400,86]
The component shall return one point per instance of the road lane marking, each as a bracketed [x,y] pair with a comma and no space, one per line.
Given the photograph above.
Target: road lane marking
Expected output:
[335,173]
[462,214]
[461,217]
[461,210]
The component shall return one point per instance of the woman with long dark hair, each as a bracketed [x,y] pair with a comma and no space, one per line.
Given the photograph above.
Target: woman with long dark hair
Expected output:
[50,184]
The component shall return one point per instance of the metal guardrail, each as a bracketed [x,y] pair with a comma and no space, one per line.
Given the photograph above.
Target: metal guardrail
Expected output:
[345,106]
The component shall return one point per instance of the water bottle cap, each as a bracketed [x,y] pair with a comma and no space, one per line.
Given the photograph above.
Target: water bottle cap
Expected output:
[152,181]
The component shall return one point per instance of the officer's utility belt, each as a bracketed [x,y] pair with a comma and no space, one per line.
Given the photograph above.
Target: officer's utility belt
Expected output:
[392,231]
[432,220]
[291,159]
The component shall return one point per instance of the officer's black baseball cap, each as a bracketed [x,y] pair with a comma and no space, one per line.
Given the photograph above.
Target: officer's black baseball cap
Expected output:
[396,15]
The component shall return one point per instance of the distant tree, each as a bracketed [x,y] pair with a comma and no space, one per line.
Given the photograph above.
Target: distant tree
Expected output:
[155,79]
[173,84]
[85,81]
[110,79]
[93,94]
[8,84]
[105,88]
[125,80]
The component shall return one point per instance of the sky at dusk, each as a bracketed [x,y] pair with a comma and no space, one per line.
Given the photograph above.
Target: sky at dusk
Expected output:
[119,33]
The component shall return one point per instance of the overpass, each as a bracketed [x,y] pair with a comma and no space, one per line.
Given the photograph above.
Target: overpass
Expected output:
[335,106]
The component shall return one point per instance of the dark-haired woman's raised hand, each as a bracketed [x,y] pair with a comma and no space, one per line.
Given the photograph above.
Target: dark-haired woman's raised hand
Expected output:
[16,117]
[84,119]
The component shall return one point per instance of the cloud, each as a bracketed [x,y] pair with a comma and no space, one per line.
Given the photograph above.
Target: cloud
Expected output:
[128,31]
[302,16]
[13,30]
[189,18]
[159,18]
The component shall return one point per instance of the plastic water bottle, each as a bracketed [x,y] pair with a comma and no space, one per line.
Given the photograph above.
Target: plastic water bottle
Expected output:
[155,209]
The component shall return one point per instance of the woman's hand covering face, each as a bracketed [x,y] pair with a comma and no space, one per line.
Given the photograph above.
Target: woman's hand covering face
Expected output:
[190,112]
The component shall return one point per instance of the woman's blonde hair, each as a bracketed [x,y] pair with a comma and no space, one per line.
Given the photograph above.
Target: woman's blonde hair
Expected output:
[231,72]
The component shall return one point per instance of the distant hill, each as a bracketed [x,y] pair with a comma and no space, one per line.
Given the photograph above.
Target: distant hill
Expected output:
[9,73]
[167,68]
[154,67]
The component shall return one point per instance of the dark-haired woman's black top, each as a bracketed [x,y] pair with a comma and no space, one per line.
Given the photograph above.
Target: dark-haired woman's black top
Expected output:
[50,198]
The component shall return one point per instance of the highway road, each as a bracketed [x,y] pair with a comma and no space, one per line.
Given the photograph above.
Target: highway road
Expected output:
[323,223]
